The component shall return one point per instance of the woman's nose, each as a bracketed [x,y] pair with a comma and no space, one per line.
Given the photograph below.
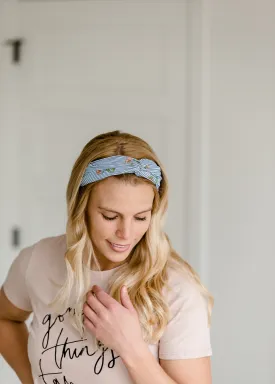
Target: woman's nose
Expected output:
[124,230]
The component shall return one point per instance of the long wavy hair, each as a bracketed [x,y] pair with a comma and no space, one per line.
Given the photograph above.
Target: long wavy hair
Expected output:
[145,272]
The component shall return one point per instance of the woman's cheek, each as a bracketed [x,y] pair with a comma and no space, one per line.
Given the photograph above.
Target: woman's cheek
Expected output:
[143,231]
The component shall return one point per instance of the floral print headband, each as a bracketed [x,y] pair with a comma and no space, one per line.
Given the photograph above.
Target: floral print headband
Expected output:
[117,165]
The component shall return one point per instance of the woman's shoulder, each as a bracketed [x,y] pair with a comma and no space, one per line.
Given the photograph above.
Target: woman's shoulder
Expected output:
[181,282]
[50,242]
[37,250]
[187,333]
[33,270]
[47,255]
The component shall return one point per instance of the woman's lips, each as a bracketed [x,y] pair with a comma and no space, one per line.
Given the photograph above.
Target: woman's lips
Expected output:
[118,248]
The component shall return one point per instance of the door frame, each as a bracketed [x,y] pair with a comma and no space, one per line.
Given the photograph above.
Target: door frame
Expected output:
[198,140]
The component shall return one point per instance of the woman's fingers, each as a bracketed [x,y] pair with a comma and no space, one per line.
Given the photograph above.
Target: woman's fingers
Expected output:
[95,304]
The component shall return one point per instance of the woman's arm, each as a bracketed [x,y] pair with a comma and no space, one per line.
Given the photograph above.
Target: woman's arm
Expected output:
[14,338]
[189,371]
[144,369]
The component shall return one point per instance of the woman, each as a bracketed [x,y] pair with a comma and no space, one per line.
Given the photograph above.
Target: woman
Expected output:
[112,302]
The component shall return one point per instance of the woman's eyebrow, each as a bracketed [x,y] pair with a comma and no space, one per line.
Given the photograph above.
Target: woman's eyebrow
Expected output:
[110,210]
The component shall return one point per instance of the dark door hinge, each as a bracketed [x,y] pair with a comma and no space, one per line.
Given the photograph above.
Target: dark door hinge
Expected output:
[16,45]
[15,237]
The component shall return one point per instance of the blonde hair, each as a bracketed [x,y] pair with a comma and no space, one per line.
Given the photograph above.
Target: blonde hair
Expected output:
[145,273]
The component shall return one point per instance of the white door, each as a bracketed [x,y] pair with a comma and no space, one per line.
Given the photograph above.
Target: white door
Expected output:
[89,67]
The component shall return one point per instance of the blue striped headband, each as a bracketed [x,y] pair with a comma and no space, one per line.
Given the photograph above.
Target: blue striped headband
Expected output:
[117,165]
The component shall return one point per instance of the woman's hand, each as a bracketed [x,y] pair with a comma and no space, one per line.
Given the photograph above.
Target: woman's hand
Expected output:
[115,325]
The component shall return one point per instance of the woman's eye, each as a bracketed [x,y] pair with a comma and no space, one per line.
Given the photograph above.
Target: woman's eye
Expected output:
[109,218]
[113,218]
[141,218]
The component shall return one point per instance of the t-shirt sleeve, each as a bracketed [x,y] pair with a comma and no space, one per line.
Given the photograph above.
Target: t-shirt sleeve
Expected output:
[187,334]
[15,285]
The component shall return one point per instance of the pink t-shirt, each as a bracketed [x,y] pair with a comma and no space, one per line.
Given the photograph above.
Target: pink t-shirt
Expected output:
[56,352]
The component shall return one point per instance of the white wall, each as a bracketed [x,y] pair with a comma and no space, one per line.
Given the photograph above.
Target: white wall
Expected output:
[242,190]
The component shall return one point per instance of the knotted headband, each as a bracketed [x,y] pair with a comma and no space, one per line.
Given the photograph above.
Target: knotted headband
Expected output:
[117,165]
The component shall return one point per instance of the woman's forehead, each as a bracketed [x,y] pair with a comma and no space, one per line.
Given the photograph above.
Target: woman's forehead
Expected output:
[112,193]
